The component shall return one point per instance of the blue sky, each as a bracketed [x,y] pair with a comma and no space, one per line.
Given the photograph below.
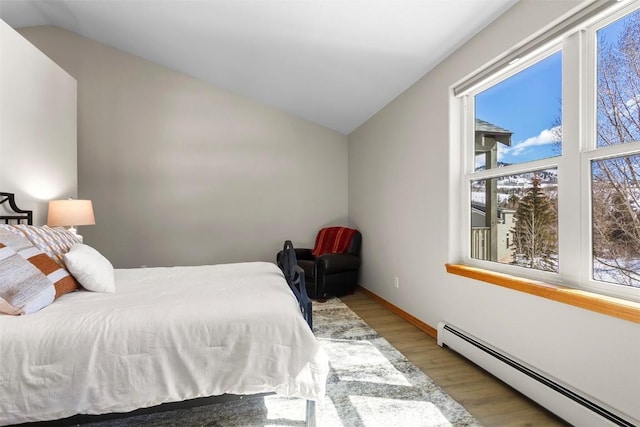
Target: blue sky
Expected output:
[529,105]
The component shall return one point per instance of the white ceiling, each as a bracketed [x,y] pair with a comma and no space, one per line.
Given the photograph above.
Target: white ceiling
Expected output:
[334,62]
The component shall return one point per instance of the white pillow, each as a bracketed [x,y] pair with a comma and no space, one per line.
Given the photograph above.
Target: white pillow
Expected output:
[92,270]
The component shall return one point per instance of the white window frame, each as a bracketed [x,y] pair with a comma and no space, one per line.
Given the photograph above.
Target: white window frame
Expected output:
[578,46]
[471,175]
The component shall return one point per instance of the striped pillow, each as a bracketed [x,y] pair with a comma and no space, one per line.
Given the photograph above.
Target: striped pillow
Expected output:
[29,279]
[54,241]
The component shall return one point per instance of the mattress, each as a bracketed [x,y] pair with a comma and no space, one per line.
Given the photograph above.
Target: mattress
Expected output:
[166,334]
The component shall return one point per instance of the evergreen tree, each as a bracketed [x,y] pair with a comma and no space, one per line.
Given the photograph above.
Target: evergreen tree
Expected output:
[535,232]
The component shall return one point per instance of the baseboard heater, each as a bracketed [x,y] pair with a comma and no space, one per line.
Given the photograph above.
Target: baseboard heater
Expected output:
[568,404]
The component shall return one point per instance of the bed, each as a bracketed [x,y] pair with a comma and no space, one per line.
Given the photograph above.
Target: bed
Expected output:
[166,334]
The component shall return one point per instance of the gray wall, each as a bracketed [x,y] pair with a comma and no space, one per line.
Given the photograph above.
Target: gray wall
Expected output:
[37,126]
[403,195]
[181,172]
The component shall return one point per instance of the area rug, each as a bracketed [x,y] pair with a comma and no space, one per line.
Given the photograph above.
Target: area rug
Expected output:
[370,384]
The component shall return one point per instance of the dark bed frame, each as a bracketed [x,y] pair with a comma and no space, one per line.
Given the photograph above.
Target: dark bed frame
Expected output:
[20,214]
[295,279]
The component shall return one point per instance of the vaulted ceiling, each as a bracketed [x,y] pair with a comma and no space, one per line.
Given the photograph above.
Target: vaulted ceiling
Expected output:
[334,62]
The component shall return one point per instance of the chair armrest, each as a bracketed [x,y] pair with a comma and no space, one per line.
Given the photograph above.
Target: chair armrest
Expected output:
[303,253]
[300,254]
[337,263]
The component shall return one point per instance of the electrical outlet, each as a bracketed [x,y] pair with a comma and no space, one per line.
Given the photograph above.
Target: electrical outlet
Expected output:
[396,282]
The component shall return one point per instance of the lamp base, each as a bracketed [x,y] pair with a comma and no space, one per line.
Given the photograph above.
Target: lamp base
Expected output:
[74,231]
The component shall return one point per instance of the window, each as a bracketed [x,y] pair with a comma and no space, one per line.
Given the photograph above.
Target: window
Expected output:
[552,169]
[518,120]
[615,180]
[615,204]
[618,81]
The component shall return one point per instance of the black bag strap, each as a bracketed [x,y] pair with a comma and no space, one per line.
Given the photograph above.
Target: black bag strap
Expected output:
[289,261]
[295,278]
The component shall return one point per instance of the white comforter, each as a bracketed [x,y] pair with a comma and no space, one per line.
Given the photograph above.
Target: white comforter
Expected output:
[166,334]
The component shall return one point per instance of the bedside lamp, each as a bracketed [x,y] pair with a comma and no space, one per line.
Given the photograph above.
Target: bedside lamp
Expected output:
[70,213]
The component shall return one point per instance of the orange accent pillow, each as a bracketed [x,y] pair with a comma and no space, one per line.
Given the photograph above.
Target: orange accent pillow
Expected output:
[29,279]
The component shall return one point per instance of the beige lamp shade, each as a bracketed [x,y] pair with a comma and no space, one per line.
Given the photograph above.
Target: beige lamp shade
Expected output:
[69,213]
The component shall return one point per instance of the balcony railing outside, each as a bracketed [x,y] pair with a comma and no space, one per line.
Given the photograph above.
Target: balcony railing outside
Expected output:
[481,243]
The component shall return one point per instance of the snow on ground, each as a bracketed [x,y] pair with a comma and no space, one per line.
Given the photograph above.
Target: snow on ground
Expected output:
[609,274]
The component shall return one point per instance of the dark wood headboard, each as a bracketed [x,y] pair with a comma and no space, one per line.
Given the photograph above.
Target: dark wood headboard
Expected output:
[19,214]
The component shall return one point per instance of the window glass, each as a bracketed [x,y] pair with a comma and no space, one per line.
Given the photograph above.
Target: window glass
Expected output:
[615,197]
[618,81]
[514,219]
[520,119]
[516,119]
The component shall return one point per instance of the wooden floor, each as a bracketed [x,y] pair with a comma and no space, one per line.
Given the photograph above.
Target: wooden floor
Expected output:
[491,401]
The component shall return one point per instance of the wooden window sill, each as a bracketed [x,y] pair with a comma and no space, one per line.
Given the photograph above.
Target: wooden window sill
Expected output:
[616,307]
